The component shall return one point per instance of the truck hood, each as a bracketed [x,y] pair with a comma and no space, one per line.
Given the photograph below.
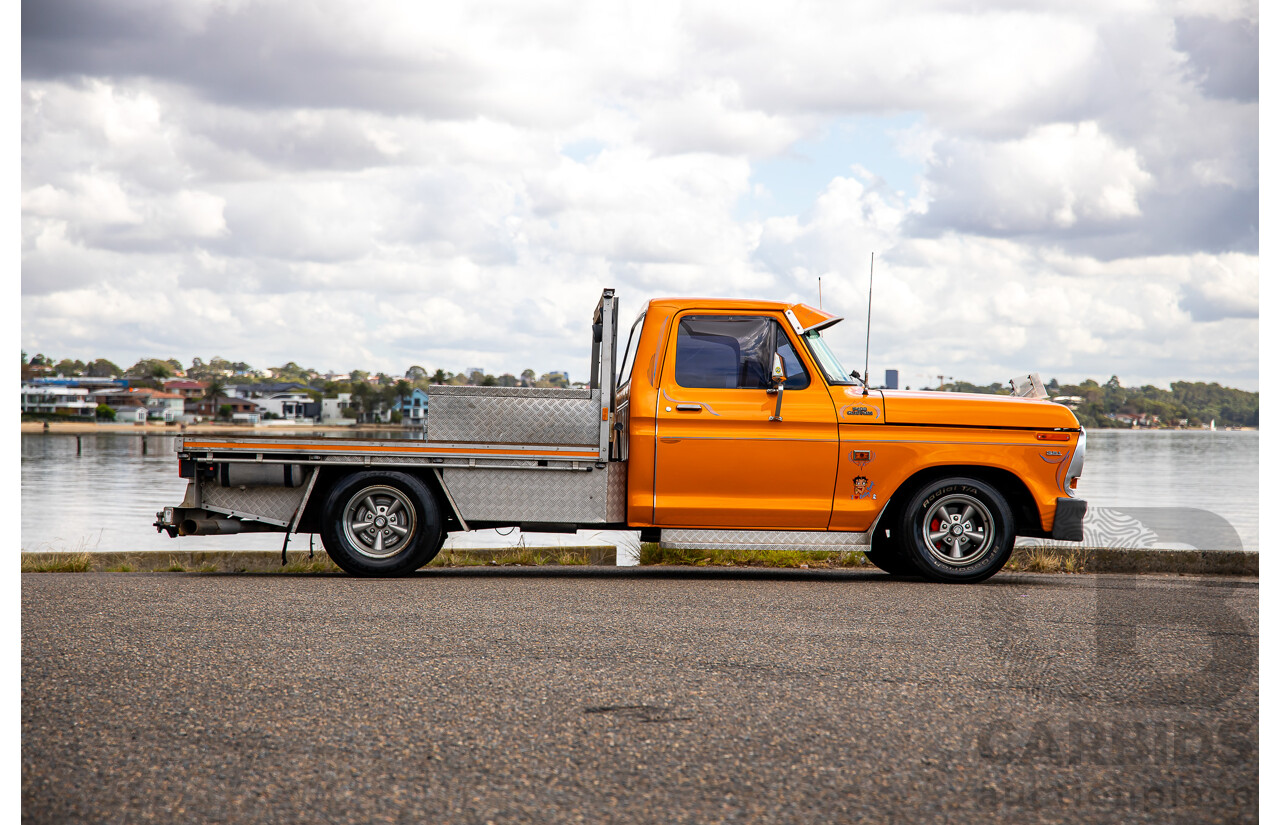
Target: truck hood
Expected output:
[974,410]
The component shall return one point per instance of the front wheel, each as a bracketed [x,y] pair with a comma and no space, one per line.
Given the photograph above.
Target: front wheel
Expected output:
[957,530]
[381,524]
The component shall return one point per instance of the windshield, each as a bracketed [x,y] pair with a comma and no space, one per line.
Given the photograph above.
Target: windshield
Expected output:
[836,374]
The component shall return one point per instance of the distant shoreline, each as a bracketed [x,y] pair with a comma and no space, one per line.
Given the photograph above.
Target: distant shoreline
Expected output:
[159,428]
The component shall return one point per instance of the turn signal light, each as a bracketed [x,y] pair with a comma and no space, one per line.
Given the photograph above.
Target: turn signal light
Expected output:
[1053,436]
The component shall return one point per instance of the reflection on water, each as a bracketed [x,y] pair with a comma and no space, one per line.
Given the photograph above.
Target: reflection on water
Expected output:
[106,497]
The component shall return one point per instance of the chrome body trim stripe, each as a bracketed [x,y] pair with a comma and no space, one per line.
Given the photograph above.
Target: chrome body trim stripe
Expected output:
[1076,467]
[707,407]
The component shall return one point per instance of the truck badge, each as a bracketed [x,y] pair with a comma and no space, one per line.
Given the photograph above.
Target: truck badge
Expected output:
[861,457]
[859,411]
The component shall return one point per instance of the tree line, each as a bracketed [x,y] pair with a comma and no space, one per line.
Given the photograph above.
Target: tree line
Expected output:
[370,392]
[1196,403]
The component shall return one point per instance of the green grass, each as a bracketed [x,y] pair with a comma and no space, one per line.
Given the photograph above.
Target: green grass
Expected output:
[653,553]
[1027,559]
[321,563]
[516,557]
[56,562]
[1048,560]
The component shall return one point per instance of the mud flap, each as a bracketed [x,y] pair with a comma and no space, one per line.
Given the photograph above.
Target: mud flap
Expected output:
[1068,520]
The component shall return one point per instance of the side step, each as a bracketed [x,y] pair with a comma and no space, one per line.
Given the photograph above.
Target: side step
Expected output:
[682,539]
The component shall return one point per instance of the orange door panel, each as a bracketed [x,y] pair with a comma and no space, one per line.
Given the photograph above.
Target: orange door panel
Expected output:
[721,462]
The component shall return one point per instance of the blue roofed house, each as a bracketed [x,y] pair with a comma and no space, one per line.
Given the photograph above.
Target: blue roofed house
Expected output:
[413,407]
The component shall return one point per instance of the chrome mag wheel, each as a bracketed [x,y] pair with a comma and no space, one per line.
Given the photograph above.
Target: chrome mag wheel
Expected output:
[379,521]
[958,529]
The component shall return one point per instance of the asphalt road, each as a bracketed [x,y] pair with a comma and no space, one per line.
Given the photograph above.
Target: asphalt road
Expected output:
[592,695]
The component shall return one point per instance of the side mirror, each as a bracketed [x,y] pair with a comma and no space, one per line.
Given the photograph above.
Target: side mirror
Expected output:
[779,377]
[779,370]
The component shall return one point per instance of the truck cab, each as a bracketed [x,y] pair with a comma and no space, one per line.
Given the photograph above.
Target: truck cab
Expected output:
[819,451]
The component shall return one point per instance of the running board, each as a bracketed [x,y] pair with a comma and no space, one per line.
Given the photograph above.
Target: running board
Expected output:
[680,539]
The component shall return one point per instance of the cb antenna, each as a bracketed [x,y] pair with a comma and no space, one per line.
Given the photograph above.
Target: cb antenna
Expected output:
[866,365]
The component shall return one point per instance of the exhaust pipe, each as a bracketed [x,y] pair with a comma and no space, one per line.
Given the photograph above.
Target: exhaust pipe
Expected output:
[221,527]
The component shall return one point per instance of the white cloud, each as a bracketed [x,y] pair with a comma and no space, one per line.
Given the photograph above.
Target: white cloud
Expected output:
[1222,287]
[1057,177]
[992,307]
[89,200]
[372,187]
[710,118]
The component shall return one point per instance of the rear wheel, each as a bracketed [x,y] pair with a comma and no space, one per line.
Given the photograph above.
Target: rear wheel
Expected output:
[956,530]
[381,524]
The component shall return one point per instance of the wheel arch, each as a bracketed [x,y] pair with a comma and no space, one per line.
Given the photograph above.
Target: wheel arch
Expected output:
[1026,516]
[313,515]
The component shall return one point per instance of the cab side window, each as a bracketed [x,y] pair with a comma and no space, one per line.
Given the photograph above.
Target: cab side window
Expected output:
[733,352]
[797,378]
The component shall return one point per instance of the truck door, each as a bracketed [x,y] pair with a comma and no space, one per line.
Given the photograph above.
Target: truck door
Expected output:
[719,459]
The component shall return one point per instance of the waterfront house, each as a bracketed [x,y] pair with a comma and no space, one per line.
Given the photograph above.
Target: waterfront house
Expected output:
[263,390]
[130,413]
[292,406]
[413,407]
[58,400]
[334,410]
[186,388]
[169,406]
[83,381]
[120,397]
[207,408]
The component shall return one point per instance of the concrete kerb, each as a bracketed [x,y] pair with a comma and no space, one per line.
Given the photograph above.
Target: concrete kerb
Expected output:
[268,561]
[1198,562]
[1025,559]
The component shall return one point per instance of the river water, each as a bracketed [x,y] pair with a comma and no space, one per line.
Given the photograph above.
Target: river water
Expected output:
[104,495]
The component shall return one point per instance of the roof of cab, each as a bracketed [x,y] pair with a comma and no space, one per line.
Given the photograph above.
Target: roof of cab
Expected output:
[806,316]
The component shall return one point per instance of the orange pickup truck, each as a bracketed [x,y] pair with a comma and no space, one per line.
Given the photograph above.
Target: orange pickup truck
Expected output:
[723,423]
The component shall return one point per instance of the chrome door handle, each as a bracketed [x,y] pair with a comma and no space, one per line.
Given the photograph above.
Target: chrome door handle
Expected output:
[689,407]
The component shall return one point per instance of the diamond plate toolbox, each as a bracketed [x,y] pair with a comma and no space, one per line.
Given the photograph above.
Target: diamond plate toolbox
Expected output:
[273,505]
[513,415]
[597,496]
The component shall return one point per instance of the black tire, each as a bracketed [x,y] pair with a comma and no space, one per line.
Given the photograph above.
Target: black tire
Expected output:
[381,524]
[957,530]
[885,553]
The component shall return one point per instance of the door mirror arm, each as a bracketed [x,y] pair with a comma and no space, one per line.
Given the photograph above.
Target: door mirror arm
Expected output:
[779,377]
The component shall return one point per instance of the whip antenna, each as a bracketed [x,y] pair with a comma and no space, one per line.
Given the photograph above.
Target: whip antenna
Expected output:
[866,364]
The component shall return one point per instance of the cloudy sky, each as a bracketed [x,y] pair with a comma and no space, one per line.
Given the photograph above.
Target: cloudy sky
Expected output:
[373,185]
